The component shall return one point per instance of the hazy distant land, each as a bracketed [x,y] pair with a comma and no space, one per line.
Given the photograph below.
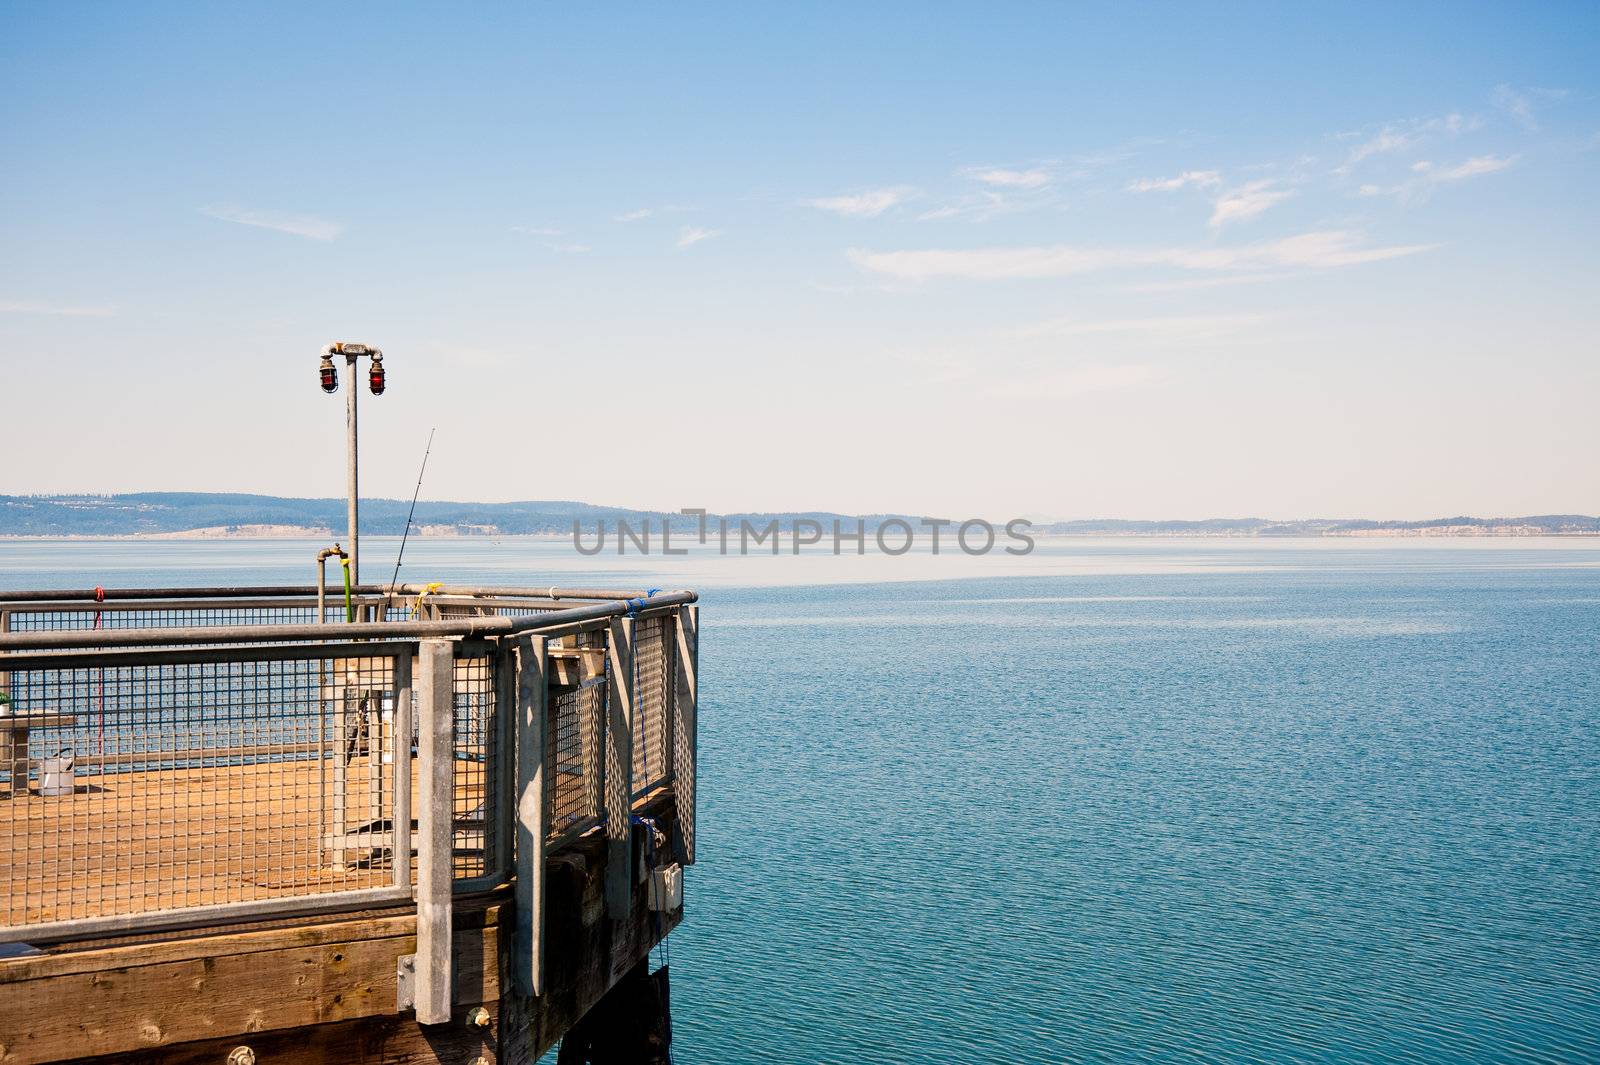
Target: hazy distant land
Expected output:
[203,515]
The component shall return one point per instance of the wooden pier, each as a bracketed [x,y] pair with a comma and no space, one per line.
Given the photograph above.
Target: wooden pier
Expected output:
[223,882]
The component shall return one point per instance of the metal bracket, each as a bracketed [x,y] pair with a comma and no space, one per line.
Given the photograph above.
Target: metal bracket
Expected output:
[405,983]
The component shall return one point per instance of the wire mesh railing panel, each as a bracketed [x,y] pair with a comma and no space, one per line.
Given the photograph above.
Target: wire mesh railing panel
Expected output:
[474,797]
[653,674]
[228,779]
[572,767]
[169,777]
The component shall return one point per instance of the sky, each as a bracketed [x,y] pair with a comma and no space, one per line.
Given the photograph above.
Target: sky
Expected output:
[1068,261]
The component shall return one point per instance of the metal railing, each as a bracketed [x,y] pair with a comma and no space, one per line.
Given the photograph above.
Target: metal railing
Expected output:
[177,760]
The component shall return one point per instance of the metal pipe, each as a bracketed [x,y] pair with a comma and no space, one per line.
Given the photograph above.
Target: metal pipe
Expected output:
[352,490]
[202,916]
[114,658]
[269,591]
[171,606]
[322,580]
[351,353]
[257,591]
[372,630]
[552,592]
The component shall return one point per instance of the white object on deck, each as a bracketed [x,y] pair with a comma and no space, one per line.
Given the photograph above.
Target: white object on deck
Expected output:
[386,720]
[56,776]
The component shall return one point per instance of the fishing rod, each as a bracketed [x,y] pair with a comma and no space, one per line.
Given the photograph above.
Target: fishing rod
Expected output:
[393,581]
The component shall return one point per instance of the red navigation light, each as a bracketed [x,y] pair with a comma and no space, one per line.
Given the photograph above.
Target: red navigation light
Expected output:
[330,375]
[375,378]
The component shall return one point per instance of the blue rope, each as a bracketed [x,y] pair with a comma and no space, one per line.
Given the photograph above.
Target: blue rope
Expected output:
[636,605]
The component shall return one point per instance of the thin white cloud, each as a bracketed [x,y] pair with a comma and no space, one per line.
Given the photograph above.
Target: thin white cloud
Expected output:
[1004,178]
[1522,104]
[1315,250]
[1428,176]
[295,225]
[1167,329]
[1515,104]
[1399,136]
[977,208]
[869,204]
[1478,164]
[1192,284]
[1198,178]
[1387,140]
[57,310]
[1246,202]
[689,236]
[1068,384]
[639,214]
[564,247]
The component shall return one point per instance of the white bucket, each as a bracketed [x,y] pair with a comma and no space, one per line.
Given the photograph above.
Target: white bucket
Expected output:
[386,721]
[56,776]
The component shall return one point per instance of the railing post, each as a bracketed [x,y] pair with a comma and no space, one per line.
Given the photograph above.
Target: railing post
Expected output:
[532,685]
[436,726]
[619,771]
[501,787]
[400,822]
[686,702]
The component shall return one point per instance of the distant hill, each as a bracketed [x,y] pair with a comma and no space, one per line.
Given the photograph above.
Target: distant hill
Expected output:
[230,514]
[1531,525]
[223,513]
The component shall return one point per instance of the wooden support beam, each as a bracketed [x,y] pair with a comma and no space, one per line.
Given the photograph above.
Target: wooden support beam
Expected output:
[686,736]
[435,735]
[619,771]
[528,939]
[148,1000]
[373,1041]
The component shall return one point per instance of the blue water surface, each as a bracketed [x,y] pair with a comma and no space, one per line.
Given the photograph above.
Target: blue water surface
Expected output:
[1286,804]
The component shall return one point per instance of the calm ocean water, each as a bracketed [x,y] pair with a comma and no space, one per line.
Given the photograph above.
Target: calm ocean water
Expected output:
[1120,800]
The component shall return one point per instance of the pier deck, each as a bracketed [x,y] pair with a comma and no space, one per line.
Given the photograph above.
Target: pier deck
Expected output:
[204,836]
[224,871]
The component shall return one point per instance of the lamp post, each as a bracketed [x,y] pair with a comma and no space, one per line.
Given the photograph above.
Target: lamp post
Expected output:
[329,376]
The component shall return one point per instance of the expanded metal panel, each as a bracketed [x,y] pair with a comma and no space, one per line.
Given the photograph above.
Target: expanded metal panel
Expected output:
[523,610]
[457,611]
[474,797]
[572,768]
[193,783]
[653,672]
